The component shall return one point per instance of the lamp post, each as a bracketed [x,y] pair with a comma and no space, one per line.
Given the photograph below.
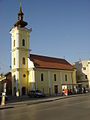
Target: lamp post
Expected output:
[4,94]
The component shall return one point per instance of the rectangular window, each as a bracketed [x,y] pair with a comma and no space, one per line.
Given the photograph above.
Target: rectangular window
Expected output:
[84,68]
[23,60]
[85,76]
[42,77]
[65,77]
[54,77]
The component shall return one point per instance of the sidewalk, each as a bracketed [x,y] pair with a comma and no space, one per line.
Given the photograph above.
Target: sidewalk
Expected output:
[17,102]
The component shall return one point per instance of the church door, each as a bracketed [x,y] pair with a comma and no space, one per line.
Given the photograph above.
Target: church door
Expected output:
[23,90]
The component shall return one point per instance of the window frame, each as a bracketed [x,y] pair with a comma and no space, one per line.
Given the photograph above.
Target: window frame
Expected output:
[14,43]
[84,68]
[23,42]
[24,75]
[55,77]
[66,77]
[23,61]
[14,61]
[14,78]
[86,77]
[42,77]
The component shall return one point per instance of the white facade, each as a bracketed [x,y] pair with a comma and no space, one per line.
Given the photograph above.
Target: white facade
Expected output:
[83,72]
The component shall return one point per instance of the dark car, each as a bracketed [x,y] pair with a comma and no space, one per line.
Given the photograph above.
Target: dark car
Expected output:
[36,93]
[31,93]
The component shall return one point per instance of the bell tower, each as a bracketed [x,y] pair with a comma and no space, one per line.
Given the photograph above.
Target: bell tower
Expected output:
[20,52]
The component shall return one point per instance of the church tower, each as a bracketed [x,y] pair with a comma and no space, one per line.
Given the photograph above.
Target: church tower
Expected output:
[20,52]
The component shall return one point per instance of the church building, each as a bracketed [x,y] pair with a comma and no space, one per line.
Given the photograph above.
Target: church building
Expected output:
[32,72]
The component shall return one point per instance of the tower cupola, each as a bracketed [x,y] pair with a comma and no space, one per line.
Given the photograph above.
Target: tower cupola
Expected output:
[20,22]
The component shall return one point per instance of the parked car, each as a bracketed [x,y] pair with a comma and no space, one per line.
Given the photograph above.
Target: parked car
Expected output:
[36,93]
[6,97]
[31,93]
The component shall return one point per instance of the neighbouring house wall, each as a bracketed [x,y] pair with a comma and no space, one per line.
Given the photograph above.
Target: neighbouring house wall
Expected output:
[83,73]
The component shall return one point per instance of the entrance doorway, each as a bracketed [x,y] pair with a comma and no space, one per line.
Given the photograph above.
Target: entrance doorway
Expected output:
[14,91]
[23,90]
[56,89]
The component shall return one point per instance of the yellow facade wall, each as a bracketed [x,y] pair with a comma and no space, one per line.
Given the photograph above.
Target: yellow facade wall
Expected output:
[19,69]
[48,84]
[42,85]
[31,79]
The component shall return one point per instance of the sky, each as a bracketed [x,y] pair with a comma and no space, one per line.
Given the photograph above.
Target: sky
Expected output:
[60,28]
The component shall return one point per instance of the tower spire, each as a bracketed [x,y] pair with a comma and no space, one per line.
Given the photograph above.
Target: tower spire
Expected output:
[20,14]
[20,7]
[20,21]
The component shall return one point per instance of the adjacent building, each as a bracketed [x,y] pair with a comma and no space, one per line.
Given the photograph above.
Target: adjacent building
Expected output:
[6,83]
[83,73]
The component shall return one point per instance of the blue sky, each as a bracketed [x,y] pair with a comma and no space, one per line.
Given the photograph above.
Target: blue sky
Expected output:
[60,28]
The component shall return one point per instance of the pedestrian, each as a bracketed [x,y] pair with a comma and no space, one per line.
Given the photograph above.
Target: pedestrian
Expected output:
[17,93]
[63,92]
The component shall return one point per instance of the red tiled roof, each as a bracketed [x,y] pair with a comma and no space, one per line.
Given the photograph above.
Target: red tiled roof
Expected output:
[50,62]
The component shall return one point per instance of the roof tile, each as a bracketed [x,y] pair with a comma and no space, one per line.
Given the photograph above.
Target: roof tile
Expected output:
[50,62]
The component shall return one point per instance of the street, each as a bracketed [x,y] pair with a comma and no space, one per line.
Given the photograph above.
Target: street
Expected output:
[73,108]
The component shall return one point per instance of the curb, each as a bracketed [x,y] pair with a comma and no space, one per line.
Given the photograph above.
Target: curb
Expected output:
[32,102]
[5,107]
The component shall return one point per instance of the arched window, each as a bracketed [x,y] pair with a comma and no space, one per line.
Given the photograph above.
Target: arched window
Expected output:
[54,77]
[66,78]
[23,42]
[14,61]
[23,60]
[14,78]
[14,43]
[42,77]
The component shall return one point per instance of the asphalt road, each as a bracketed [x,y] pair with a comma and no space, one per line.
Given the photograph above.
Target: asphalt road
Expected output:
[74,108]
